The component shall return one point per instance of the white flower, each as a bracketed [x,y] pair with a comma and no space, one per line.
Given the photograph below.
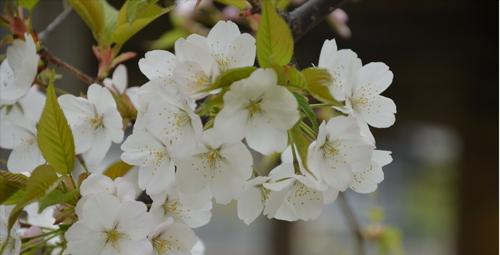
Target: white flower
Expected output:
[339,152]
[95,122]
[367,180]
[226,46]
[119,81]
[223,167]
[43,219]
[359,86]
[173,239]
[18,131]
[13,243]
[96,184]
[156,167]
[158,65]
[172,120]
[107,226]
[251,201]
[293,196]
[191,209]
[259,110]
[365,99]
[342,66]
[18,70]
[100,184]
[203,58]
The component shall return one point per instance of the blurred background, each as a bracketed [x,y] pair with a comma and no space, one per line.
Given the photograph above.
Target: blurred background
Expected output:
[439,195]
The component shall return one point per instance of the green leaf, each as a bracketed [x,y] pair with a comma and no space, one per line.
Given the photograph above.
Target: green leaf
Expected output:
[92,13]
[167,40]
[143,13]
[54,135]
[318,81]
[42,181]
[390,242]
[58,197]
[28,4]
[18,180]
[10,184]
[240,4]
[228,77]
[289,76]
[117,169]
[307,110]
[14,198]
[274,39]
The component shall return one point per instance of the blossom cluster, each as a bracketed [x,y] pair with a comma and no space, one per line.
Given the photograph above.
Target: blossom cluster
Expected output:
[188,157]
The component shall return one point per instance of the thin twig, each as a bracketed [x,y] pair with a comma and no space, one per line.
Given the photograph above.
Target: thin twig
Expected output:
[310,14]
[58,20]
[46,55]
[352,223]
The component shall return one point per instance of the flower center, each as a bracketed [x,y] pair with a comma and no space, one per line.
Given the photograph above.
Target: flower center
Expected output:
[254,107]
[329,149]
[97,122]
[213,158]
[160,245]
[181,119]
[113,236]
[170,206]
[264,193]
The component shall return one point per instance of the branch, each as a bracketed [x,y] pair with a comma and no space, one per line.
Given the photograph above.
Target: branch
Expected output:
[46,55]
[310,14]
[352,223]
[58,20]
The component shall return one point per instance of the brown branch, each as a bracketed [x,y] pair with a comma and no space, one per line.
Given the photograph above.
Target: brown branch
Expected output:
[311,13]
[56,22]
[46,55]
[352,223]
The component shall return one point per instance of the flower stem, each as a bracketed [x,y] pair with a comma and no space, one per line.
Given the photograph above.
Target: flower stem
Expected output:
[46,55]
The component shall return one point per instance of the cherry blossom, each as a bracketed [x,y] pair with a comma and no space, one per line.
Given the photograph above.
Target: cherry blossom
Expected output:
[339,152]
[190,209]
[367,180]
[108,226]
[171,238]
[153,157]
[260,110]
[95,122]
[18,70]
[222,166]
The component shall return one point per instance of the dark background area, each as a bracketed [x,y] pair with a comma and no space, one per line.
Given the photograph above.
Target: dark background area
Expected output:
[444,55]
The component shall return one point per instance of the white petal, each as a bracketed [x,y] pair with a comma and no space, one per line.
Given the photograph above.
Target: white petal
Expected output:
[188,51]
[328,50]
[76,109]
[157,64]
[250,205]
[222,34]
[134,220]
[373,78]
[113,123]
[101,143]
[239,157]
[25,157]
[143,149]
[230,123]
[83,241]
[156,179]
[134,247]
[306,200]
[265,138]
[101,98]
[191,175]
[377,111]
[226,185]
[120,79]
[241,51]
[96,184]
[100,211]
